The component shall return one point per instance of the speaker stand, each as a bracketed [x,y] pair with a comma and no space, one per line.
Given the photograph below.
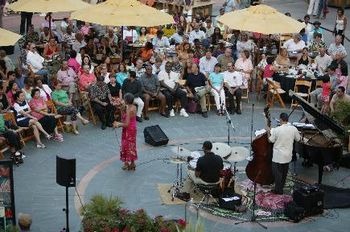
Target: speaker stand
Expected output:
[66,210]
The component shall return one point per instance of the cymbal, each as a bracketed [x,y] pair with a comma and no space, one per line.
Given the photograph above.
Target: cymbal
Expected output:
[238,154]
[221,149]
[178,160]
[181,151]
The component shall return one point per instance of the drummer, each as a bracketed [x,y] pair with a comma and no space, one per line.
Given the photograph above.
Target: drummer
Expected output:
[208,167]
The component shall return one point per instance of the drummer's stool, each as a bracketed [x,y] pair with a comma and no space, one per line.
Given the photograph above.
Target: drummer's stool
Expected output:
[208,190]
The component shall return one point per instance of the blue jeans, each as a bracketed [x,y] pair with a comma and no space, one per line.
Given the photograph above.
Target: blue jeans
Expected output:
[44,73]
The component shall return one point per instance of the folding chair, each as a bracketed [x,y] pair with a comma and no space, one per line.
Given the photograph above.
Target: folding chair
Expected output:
[53,110]
[274,93]
[85,100]
[302,89]
[25,133]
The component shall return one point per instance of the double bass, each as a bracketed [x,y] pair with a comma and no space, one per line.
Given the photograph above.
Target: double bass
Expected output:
[259,169]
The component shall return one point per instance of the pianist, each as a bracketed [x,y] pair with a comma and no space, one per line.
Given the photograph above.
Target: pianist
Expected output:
[283,138]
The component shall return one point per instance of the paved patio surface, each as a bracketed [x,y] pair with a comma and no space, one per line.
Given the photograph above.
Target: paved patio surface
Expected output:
[99,169]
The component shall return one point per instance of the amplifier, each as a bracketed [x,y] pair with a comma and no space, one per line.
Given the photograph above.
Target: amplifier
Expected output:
[294,212]
[310,198]
[155,136]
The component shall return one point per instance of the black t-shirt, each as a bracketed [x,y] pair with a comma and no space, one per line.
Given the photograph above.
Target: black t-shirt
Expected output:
[210,166]
[114,89]
[194,81]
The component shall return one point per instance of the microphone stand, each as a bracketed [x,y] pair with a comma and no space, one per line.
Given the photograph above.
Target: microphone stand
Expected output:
[254,216]
[228,123]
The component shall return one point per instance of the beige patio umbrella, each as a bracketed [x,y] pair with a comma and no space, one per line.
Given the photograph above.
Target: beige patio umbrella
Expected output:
[46,6]
[8,38]
[123,13]
[262,19]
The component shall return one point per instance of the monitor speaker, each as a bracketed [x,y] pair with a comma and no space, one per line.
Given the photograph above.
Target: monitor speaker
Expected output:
[65,171]
[155,136]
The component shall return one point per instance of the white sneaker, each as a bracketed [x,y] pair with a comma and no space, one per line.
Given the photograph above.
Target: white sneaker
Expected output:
[183,113]
[172,113]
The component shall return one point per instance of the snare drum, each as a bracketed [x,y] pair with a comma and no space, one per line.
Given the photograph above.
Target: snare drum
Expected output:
[193,164]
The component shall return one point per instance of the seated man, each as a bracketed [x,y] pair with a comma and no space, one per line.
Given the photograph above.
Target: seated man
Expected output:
[208,167]
[171,89]
[100,98]
[339,96]
[68,78]
[9,136]
[233,81]
[151,90]
[36,62]
[197,86]
[133,85]
[294,46]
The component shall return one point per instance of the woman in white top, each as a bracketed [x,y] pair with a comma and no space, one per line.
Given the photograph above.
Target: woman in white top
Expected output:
[340,23]
[25,119]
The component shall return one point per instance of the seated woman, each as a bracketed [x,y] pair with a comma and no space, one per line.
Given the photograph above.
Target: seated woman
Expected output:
[25,119]
[73,63]
[122,74]
[86,60]
[144,37]
[147,52]
[282,61]
[9,136]
[64,106]
[245,66]
[86,78]
[45,90]
[51,49]
[216,37]
[11,90]
[216,82]
[4,102]
[115,90]
[27,89]
[42,114]
[269,69]
[304,59]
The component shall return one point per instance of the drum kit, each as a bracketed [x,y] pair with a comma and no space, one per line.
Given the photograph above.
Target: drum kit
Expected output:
[230,155]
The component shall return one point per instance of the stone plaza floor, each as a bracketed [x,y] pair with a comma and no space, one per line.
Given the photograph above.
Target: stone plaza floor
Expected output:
[99,169]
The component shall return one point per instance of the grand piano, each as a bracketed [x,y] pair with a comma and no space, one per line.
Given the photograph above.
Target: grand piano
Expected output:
[322,145]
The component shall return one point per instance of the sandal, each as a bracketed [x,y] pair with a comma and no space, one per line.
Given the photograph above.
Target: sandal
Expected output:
[40,145]
[85,122]
[132,167]
[126,167]
[75,132]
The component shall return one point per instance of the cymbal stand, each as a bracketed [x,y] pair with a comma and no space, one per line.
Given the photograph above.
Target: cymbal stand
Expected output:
[178,182]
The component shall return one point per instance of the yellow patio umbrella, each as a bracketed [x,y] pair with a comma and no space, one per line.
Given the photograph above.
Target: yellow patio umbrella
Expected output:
[8,38]
[262,19]
[46,6]
[123,13]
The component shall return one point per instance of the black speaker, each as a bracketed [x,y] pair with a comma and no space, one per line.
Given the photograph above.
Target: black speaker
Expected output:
[310,198]
[65,171]
[155,136]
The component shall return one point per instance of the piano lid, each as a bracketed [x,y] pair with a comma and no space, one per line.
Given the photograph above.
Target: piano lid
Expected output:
[322,121]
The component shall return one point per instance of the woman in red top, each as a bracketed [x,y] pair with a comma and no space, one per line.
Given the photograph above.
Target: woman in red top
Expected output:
[86,78]
[326,91]
[51,49]
[12,88]
[269,68]
[41,112]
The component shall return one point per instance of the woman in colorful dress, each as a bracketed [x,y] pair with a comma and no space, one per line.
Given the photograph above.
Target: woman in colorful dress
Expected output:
[128,153]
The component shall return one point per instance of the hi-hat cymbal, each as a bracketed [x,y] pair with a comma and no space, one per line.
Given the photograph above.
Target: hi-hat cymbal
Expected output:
[221,149]
[238,154]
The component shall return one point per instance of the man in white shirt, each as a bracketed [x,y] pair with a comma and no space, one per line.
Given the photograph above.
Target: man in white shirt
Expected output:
[323,61]
[283,138]
[130,34]
[79,42]
[233,81]
[294,46]
[35,61]
[160,41]
[178,36]
[207,63]
[196,34]
[171,89]
[337,47]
